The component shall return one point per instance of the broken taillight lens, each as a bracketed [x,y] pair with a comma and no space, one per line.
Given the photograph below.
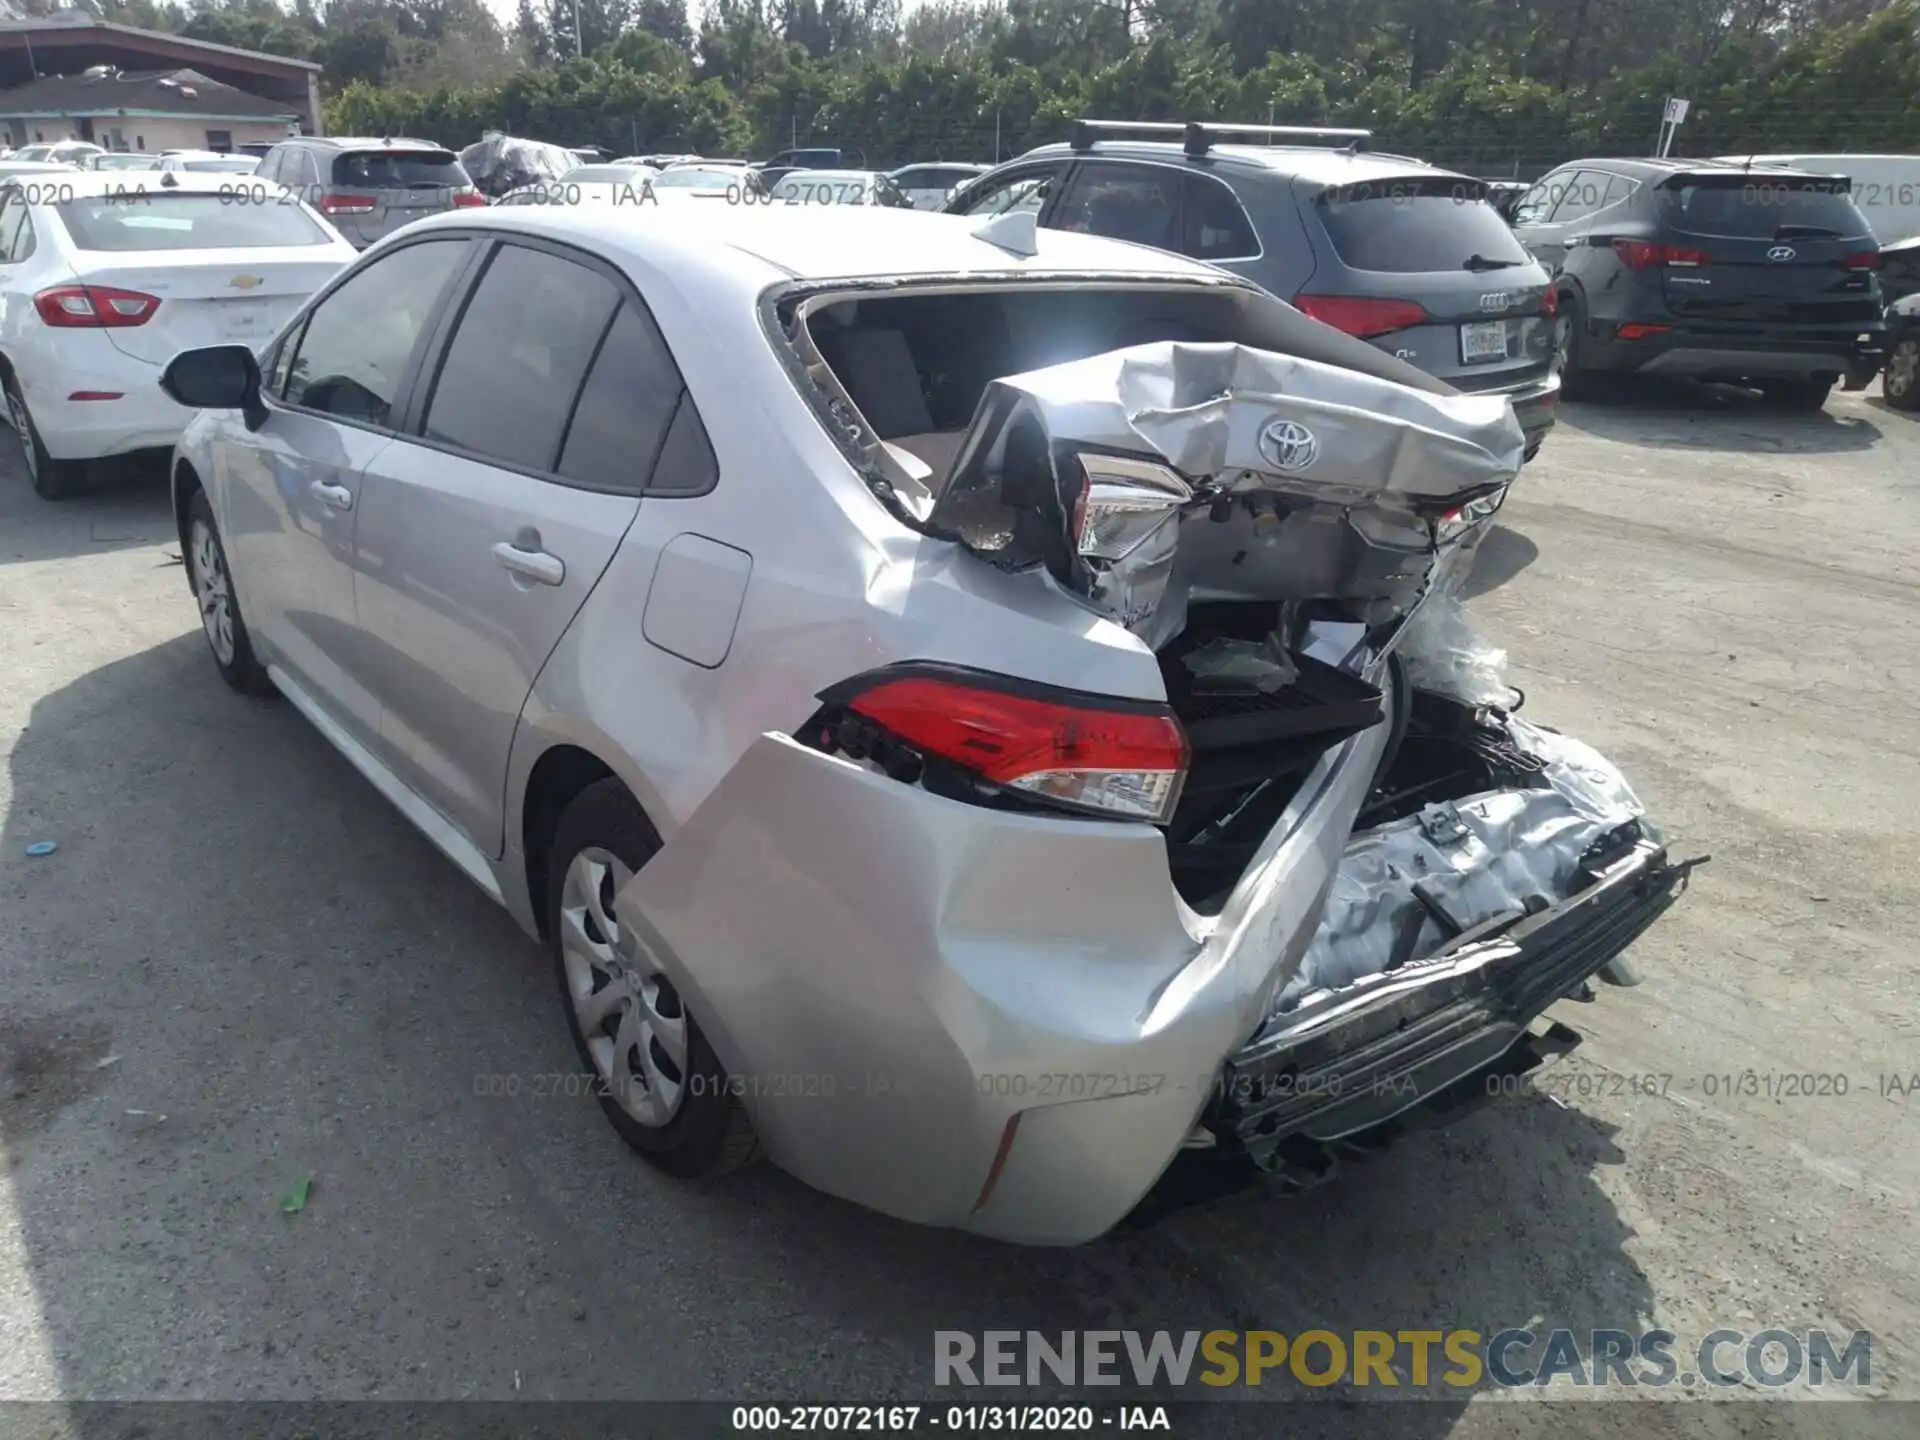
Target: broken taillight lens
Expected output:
[1094,754]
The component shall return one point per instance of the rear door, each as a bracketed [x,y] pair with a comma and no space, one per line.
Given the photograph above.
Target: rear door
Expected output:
[373,192]
[484,531]
[1745,248]
[1426,269]
[222,272]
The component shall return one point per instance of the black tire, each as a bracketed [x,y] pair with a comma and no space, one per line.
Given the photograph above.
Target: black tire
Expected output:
[1576,382]
[242,668]
[51,479]
[1799,396]
[709,1133]
[1901,384]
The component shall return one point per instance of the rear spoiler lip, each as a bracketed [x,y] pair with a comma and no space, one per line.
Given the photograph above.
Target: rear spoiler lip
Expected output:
[1752,177]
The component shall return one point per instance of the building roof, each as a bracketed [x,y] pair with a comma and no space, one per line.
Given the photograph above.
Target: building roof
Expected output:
[104,91]
[12,21]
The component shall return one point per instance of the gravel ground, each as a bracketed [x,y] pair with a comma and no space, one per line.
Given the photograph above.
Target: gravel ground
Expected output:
[240,968]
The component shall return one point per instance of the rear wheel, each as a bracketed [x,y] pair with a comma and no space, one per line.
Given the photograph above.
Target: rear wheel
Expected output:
[1801,396]
[658,1080]
[51,479]
[1901,385]
[1569,324]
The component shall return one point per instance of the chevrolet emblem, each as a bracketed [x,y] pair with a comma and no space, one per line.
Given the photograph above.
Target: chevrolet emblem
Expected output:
[245,282]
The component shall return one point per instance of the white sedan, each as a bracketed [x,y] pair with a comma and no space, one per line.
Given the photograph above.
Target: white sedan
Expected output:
[209,162]
[106,277]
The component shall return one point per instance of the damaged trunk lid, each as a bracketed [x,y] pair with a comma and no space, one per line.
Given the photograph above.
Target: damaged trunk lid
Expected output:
[1155,477]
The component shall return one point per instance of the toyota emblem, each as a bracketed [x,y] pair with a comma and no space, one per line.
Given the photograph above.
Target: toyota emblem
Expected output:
[1288,445]
[1782,252]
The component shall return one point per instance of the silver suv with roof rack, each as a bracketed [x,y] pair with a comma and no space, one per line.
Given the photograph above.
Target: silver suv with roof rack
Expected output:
[1387,247]
[371,187]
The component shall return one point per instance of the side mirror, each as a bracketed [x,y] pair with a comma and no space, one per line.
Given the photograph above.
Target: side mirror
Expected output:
[217,377]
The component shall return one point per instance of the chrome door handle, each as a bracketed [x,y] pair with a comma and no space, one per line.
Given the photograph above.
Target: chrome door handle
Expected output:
[338,496]
[536,565]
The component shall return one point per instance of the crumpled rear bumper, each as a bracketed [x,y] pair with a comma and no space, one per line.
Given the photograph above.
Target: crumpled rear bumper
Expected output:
[1373,1051]
[1002,1022]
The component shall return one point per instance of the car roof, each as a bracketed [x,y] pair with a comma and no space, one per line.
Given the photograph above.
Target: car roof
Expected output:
[365,142]
[1643,167]
[741,249]
[1313,163]
[841,175]
[35,167]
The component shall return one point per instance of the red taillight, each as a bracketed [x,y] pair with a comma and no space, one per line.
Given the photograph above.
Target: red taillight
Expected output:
[1865,260]
[348,204]
[1640,332]
[1645,254]
[1360,316]
[94,307]
[1550,302]
[468,199]
[1082,752]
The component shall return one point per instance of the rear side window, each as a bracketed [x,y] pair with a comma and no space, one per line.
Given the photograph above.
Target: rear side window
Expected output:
[1748,208]
[1416,225]
[1213,225]
[625,407]
[399,170]
[154,220]
[516,360]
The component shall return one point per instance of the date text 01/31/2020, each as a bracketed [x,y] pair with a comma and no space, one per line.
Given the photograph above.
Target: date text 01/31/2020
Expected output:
[962,1419]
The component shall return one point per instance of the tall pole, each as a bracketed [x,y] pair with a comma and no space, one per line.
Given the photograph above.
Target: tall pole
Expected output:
[579,39]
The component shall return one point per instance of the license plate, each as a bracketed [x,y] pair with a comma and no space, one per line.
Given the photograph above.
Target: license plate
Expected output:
[244,320]
[1483,340]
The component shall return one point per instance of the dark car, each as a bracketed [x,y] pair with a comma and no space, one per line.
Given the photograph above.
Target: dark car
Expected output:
[1389,249]
[1901,383]
[1900,269]
[1753,275]
[772,171]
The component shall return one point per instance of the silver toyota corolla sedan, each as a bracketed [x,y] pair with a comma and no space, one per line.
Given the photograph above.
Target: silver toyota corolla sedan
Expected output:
[980,713]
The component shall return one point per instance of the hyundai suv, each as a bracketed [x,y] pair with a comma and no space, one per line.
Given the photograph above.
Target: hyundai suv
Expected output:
[1409,257]
[1756,275]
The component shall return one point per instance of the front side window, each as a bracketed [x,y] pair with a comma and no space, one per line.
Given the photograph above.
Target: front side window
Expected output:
[351,359]
[516,360]
[1140,203]
[1537,204]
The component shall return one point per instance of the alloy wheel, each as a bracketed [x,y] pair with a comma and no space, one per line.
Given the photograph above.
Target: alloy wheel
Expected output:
[212,589]
[634,1024]
[1902,370]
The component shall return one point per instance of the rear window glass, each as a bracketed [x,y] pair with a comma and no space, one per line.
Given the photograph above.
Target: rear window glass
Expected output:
[399,169]
[1408,226]
[1738,205]
[159,221]
[237,165]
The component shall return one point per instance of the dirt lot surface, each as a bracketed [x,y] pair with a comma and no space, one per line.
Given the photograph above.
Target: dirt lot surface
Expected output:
[240,968]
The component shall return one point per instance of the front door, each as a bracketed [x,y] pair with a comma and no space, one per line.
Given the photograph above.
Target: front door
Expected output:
[292,489]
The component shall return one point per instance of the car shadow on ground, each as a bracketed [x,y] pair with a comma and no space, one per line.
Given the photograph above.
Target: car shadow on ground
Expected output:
[1502,555]
[241,968]
[1685,415]
[124,503]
